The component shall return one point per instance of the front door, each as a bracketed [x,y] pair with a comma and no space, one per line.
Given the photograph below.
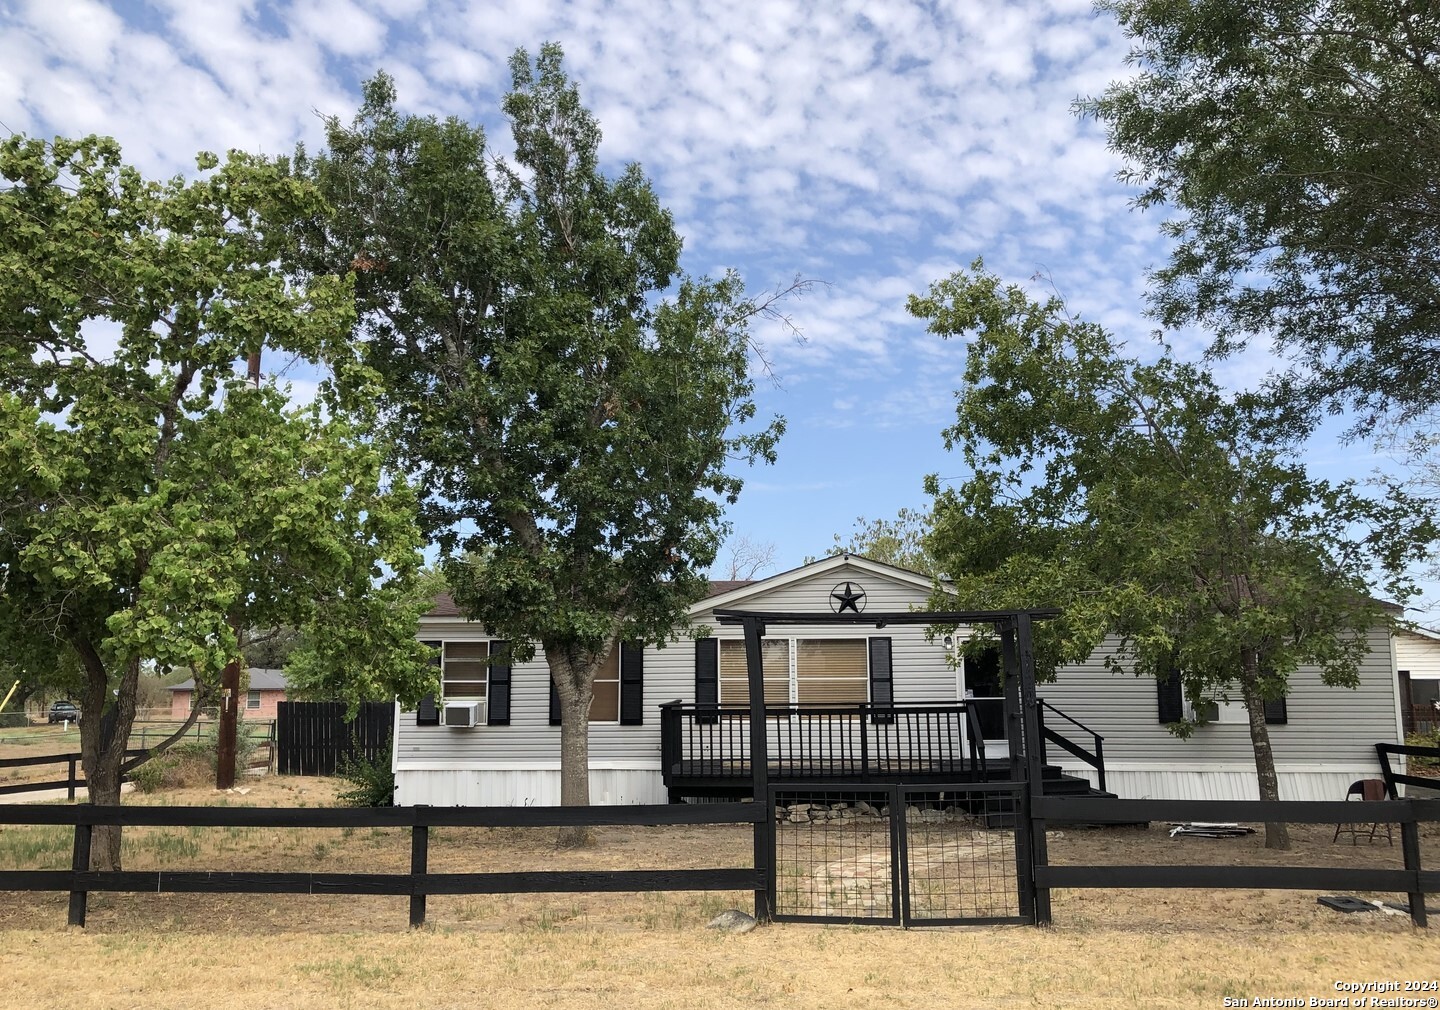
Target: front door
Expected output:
[985,680]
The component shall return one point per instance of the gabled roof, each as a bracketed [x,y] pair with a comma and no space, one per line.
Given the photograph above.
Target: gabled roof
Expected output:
[444,605]
[260,680]
[730,592]
[745,591]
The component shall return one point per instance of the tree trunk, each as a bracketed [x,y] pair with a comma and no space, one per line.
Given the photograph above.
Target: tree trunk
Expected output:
[104,733]
[574,682]
[1277,834]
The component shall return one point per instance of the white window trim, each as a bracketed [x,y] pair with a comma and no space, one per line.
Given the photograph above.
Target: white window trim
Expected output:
[618,681]
[445,644]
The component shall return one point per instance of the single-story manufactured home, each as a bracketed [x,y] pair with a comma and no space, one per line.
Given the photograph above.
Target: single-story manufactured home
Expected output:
[671,722]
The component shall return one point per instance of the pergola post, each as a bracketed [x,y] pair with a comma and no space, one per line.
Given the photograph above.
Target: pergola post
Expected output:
[760,768]
[1034,758]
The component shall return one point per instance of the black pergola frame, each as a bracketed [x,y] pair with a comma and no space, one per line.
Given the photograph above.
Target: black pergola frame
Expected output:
[1017,650]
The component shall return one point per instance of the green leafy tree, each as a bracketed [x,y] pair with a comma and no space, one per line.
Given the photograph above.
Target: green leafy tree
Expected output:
[900,541]
[1299,142]
[1145,502]
[151,501]
[570,404]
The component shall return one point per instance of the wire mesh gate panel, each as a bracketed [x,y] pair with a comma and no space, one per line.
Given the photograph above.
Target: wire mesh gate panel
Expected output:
[961,857]
[900,855]
[835,854]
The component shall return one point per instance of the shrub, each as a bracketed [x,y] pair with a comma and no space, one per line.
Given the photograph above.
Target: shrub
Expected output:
[371,782]
[1424,765]
[13,720]
[150,776]
[182,766]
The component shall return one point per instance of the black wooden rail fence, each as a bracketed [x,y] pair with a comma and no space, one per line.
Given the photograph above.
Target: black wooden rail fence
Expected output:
[72,780]
[79,880]
[1413,880]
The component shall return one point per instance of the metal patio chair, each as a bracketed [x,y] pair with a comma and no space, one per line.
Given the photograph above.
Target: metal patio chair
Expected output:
[1368,791]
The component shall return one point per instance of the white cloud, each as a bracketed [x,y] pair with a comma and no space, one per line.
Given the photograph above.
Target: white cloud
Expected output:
[875,146]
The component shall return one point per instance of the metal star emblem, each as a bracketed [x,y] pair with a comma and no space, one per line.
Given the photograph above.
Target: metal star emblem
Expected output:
[847,596]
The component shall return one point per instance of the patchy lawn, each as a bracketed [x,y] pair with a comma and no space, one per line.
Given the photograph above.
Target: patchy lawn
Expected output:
[1177,948]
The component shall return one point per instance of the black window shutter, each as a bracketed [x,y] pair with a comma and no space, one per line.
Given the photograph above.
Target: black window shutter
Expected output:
[707,677]
[1170,695]
[882,680]
[498,694]
[632,684]
[428,713]
[1275,711]
[554,702]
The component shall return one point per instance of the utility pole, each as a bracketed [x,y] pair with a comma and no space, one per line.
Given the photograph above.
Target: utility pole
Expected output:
[230,678]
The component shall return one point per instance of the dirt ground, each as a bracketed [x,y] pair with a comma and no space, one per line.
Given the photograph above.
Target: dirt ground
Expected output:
[1107,948]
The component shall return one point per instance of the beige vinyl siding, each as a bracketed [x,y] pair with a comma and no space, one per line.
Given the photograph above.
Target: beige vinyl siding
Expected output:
[1327,725]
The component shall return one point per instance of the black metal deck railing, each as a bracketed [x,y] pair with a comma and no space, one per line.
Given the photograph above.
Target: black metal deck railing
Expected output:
[711,743]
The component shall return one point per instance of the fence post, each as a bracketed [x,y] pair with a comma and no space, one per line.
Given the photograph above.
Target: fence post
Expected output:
[760,770]
[1410,846]
[79,863]
[419,865]
[70,783]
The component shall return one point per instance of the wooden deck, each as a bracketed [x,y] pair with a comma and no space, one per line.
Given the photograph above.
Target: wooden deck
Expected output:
[705,749]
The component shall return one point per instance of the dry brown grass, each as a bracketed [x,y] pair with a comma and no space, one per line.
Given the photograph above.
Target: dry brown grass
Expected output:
[1107,948]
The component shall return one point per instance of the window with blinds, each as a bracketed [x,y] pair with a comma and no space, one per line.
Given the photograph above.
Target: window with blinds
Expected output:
[827,672]
[605,702]
[466,669]
[831,671]
[774,661]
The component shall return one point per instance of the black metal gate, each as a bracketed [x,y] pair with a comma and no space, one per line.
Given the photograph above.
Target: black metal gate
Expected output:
[901,855]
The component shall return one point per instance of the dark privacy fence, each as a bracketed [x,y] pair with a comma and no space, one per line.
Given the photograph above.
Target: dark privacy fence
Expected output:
[315,738]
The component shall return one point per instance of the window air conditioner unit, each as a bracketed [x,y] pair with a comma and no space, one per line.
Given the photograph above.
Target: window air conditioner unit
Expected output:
[463,714]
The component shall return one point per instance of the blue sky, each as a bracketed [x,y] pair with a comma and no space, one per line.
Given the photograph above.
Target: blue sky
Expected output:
[872,147]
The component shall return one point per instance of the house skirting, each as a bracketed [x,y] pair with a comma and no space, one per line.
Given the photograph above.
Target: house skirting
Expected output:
[529,787]
[1296,783]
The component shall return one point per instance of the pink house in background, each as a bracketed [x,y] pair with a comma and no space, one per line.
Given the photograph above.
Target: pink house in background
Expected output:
[267,687]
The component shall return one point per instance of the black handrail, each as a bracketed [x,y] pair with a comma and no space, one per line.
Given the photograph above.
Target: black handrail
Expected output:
[1095,760]
[1070,719]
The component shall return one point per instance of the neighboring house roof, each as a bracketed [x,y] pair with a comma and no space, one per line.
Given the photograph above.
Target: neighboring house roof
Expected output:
[1415,629]
[260,680]
[444,605]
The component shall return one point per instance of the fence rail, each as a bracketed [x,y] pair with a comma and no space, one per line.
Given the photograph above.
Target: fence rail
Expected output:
[79,880]
[70,782]
[1413,880]
[1384,751]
